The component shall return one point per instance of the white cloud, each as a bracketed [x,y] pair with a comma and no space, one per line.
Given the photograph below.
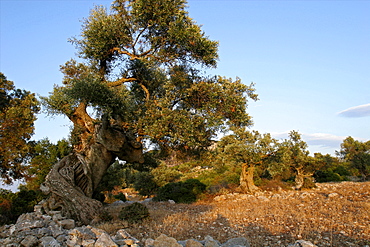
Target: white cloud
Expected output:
[356,111]
[323,139]
[317,142]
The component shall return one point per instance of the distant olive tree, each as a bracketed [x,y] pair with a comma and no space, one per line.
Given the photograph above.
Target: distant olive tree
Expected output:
[249,149]
[357,153]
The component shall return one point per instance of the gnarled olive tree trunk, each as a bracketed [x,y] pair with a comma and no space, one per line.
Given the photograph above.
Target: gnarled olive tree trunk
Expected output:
[246,179]
[72,181]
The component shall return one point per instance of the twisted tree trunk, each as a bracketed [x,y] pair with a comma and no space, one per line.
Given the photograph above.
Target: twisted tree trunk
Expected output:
[72,181]
[246,179]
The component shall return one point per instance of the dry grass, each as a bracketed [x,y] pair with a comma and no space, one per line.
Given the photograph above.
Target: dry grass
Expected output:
[334,214]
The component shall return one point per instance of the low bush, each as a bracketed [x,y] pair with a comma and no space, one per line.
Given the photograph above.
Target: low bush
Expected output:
[12,205]
[181,192]
[134,213]
[121,197]
[327,176]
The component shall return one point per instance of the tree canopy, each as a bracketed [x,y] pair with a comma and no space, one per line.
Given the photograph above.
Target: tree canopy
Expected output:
[357,153]
[142,68]
[18,109]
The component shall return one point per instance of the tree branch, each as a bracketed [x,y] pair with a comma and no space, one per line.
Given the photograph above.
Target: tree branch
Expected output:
[120,51]
[147,94]
[121,81]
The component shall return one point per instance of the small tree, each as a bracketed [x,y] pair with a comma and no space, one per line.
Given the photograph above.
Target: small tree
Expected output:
[249,149]
[357,153]
[293,153]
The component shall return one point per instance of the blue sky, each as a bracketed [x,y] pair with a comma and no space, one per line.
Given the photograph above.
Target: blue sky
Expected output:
[310,60]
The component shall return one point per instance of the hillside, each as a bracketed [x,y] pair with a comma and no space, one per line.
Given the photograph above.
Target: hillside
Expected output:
[333,214]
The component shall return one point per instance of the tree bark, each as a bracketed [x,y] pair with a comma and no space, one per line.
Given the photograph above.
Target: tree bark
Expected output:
[246,179]
[73,180]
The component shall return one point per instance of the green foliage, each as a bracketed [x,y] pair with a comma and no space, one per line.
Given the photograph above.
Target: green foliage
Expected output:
[134,213]
[164,174]
[12,205]
[121,197]
[114,176]
[141,71]
[181,192]
[18,109]
[327,176]
[105,216]
[357,153]
[44,155]
[144,183]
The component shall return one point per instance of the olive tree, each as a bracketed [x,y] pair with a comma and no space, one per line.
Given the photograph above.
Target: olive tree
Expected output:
[249,149]
[139,81]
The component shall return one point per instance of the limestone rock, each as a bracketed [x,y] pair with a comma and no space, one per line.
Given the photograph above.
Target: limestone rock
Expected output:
[240,242]
[105,241]
[165,241]
[193,243]
[67,224]
[210,242]
[49,241]
[29,241]
[302,243]
[149,242]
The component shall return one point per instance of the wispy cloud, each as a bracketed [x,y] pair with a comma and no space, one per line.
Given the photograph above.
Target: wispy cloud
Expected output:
[322,141]
[356,111]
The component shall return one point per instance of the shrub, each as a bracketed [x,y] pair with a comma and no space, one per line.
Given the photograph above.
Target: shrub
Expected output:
[120,196]
[327,176]
[105,216]
[134,213]
[181,192]
[12,205]
[144,183]
[308,183]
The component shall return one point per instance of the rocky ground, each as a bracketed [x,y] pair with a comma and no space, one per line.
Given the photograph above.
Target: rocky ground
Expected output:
[333,214]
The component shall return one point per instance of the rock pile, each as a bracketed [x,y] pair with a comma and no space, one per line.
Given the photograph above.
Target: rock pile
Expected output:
[36,229]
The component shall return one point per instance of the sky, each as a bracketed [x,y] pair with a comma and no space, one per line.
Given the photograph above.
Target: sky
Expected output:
[309,60]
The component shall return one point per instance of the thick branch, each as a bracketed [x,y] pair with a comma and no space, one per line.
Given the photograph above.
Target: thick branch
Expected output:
[120,82]
[147,94]
[81,118]
[132,56]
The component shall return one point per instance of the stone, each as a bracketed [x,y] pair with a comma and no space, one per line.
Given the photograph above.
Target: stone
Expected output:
[88,243]
[96,231]
[236,242]
[44,232]
[302,243]
[29,241]
[165,241]
[193,243]
[57,217]
[83,232]
[49,241]
[122,234]
[171,201]
[210,242]
[61,238]
[129,241]
[105,241]
[149,242]
[331,195]
[67,224]
[38,209]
